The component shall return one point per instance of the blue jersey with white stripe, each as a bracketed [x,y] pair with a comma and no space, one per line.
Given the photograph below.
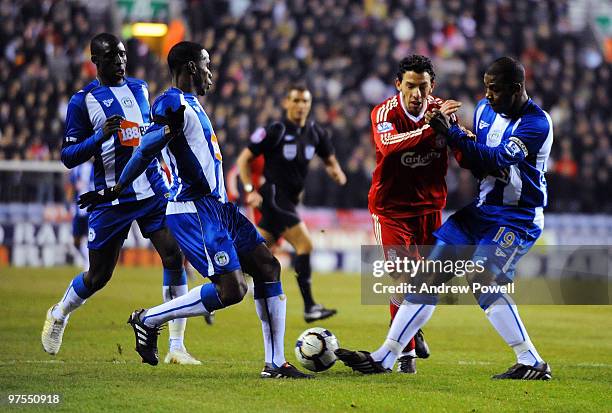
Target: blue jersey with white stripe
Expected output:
[527,136]
[87,111]
[520,147]
[194,157]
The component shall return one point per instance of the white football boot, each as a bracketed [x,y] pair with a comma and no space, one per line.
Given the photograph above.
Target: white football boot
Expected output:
[52,332]
[181,356]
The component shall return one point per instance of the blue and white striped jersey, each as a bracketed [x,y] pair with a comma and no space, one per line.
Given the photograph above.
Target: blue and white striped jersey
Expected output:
[513,153]
[194,157]
[531,132]
[87,111]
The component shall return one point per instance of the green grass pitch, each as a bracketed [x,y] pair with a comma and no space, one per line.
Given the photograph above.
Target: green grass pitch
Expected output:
[98,370]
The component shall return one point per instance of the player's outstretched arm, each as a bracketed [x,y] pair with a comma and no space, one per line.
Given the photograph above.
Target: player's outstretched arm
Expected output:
[485,157]
[333,169]
[151,144]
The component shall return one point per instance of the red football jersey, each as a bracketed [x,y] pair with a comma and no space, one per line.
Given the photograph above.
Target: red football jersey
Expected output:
[411,161]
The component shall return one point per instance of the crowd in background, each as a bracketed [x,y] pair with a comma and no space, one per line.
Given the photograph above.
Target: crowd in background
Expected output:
[347,53]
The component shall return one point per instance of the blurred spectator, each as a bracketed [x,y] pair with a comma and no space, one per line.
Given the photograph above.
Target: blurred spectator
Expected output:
[347,51]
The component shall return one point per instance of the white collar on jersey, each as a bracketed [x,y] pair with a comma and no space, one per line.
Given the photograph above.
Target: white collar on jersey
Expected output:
[413,118]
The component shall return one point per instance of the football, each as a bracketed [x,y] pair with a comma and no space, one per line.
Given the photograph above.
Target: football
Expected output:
[315,348]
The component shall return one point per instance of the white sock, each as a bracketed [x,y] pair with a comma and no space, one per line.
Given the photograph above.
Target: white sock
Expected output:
[505,318]
[187,305]
[271,312]
[84,254]
[71,300]
[409,318]
[176,327]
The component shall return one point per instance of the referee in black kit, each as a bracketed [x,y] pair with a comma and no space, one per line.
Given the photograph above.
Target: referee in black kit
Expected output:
[287,147]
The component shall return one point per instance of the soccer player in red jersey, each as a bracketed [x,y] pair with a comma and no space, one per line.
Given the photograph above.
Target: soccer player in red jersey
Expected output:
[408,188]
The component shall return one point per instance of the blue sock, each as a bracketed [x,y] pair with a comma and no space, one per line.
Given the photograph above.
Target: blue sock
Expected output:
[175,277]
[78,283]
[74,297]
[210,297]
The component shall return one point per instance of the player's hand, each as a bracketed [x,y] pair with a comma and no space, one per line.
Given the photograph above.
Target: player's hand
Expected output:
[340,178]
[175,119]
[428,116]
[440,122]
[92,199]
[468,132]
[254,199]
[111,126]
[450,106]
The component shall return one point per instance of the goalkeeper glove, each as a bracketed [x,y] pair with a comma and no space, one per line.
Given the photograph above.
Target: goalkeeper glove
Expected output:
[175,119]
[440,123]
[92,199]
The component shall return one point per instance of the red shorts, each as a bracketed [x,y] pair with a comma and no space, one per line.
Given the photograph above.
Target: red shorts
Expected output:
[406,233]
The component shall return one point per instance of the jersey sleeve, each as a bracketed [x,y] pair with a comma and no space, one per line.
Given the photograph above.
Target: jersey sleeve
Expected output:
[530,134]
[386,136]
[324,148]
[264,139]
[152,142]
[81,142]
[481,156]
[161,104]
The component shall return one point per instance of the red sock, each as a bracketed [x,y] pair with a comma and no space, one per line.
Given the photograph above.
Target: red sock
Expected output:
[393,308]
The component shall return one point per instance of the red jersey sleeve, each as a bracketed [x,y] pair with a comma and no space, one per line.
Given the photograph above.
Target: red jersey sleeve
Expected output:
[386,136]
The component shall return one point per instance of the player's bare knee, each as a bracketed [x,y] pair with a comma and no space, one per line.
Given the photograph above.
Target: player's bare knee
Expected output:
[232,288]
[427,278]
[270,269]
[263,265]
[96,280]
[274,270]
[172,258]
[234,295]
[482,278]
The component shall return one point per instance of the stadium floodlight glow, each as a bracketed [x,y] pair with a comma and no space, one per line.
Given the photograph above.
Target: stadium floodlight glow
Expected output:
[149,29]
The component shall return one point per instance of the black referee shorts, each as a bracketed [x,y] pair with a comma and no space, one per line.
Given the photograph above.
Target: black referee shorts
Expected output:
[278,211]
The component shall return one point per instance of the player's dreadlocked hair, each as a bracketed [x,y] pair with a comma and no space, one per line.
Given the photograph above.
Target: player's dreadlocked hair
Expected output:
[509,70]
[415,63]
[182,53]
[96,46]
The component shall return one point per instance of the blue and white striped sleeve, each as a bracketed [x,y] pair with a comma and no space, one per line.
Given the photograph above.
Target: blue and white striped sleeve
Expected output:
[488,158]
[152,142]
[80,140]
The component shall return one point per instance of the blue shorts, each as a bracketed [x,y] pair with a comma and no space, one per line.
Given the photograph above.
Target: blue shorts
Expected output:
[498,239]
[79,225]
[109,222]
[212,234]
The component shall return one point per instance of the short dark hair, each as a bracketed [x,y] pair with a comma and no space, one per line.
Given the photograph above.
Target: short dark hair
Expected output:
[509,70]
[415,63]
[96,45]
[300,87]
[182,53]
